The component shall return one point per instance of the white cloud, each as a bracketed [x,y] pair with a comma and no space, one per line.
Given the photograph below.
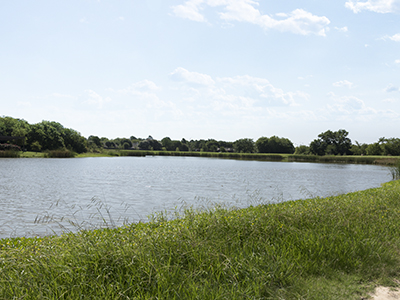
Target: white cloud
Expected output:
[395,38]
[190,10]
[298,21]
[350,108]
[391,88]
[245,93]
[25,104]
[390,100]
[58,95]
[342,29]
[183,75]
[378,6]
[397,61]
[143,87]
[343,83]
[96,99]
[261,90]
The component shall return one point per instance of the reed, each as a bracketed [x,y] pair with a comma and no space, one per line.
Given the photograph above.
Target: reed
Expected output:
[61,153]
[10,153]
[395,170]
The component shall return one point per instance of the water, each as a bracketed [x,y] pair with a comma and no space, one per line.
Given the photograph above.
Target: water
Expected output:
[88,191]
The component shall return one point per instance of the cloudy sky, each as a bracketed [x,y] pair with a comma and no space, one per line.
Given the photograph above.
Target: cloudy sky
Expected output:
[199,69]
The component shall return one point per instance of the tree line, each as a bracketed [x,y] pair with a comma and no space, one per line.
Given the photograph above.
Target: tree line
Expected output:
[50,135]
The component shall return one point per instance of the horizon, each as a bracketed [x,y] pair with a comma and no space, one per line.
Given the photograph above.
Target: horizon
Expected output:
[204,69]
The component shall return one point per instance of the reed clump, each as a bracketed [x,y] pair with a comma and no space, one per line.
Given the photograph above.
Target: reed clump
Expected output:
[321,248]
[395,170]
[61,153]
[10,153]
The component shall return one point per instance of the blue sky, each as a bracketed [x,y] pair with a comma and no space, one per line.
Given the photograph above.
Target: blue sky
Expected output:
[199,69]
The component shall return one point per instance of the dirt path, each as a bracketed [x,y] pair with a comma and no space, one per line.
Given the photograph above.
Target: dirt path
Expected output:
[385,293]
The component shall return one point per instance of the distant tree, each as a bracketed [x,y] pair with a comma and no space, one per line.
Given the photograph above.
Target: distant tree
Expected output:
[167,143]
[359,149]
[175,144]
[274,144]
[144,145]
[374,149]
[330,142]
[302,149]
[244,145]
[391,146]
[226,145]
[36,146]
[184,147]
[212,145]
[74,141]
[126,141]
[156,145]
[14,127]
[94,142]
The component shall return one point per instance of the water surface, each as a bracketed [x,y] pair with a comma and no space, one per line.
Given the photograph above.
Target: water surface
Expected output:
[131,188]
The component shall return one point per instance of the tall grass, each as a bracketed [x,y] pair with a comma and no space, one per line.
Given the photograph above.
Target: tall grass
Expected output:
[326,248]
[395,170]
[61,153]
[9,153]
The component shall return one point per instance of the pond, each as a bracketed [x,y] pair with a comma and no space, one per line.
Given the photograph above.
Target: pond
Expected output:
[48,196]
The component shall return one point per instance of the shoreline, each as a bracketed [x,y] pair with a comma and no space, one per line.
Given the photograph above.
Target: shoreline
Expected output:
[346,159]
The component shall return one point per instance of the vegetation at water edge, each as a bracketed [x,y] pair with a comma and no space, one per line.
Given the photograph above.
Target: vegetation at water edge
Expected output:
[53,136]
[322,248]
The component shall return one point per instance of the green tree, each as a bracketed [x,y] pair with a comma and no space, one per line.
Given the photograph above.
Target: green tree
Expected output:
[374,149]
[274,144]
[302,149]
[330,142]
[359,149]
[167,143]
[244,145]
[36,146]
[391,146]
[94,141]
[14,127]
[212,145]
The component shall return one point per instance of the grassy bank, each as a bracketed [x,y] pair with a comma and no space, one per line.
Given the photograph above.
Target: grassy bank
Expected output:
[330,248]
[352,159]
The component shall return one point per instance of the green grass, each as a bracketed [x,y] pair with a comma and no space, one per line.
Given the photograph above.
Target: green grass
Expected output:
[9,153]
[353,159]
[322,248]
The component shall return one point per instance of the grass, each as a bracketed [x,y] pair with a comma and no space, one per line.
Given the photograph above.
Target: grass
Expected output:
[9,153]
[321,248]
[352,159]
[395,170]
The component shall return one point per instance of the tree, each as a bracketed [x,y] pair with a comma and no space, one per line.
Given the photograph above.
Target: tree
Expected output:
[212,145]
[359,149]
[391,146]
[244,145]
[302,149]
[167,143]
[144,145]
[14,127]
[330,142]
[274,144]
[94,141]
[374,149]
